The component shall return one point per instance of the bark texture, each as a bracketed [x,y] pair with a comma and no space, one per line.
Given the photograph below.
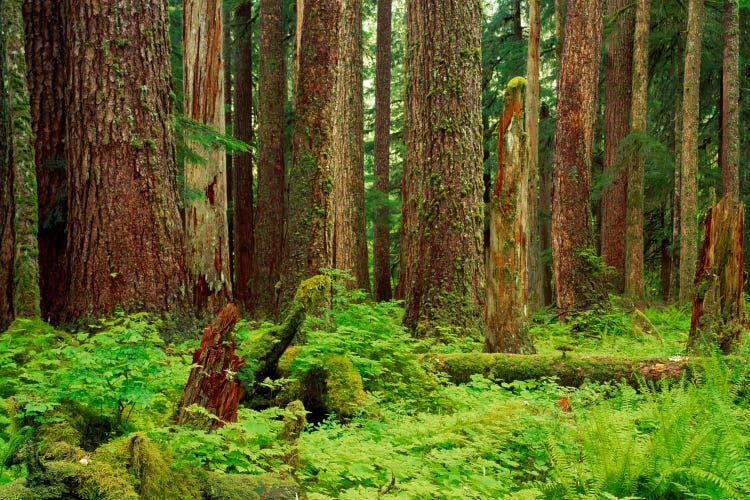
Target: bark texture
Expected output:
[381,244]
[442,269]
[269,220]
[213,383]
[206,230]
[729,157]
[242,181]
[535,265]
[125,242]
[46,59]
[678,89]
[308,245]
[578,280]
[618,64]
[7,205]
[26,299]
[634,232]
[347,154]
[506,312]
[689,155]
[718,318]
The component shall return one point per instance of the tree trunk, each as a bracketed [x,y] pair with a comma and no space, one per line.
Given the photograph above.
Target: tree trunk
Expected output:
[718,304]
[213,383]
[226,46]
[243,163]
[729,157]
[125,241]
[441,247]
[308,246]
[381,244]
[634,234]
[676,225]
[269,220]
[206,231]
[46,62]
[506,313]
[535,265]
[544,215]
[561,14]
[347,153]
[7,203]
[578,280]
[26,299]
[618,81]
[689,166]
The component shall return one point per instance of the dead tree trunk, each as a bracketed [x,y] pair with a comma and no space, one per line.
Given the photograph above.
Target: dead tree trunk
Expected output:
[718,303]
[212,383]
[506,310]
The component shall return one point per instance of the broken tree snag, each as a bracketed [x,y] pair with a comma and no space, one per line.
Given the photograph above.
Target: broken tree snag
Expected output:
[506,312]
[213,383]
[718,304]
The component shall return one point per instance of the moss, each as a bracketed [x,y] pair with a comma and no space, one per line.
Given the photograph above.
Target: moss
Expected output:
[249,487]
[314,293]
[16,490]
[284,368]
[344,392]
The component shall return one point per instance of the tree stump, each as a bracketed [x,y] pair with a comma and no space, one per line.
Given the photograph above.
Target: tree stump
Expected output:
[213,383]
[718,303]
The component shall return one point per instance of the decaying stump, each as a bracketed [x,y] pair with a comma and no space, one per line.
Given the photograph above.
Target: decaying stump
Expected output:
[718,303]
[213,383]
[506,315]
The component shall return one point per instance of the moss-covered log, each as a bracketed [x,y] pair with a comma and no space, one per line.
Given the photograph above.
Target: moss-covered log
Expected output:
[570,370]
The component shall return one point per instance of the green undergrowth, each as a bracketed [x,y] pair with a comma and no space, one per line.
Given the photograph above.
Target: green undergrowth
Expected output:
[388,427]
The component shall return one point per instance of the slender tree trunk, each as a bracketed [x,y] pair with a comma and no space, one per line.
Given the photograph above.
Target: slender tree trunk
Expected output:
[578,282]
[506,314]
[676,225]
[46,62]
[689,167]
[26,300]
[243,164]
[544,215]
[535,265]
[308,246]
[441,248]
[561,13]
[125,241]
[634,234]
[7,202]
[347,154]
[269,220]
[227,54]
[206,230]
[729,157]
[381,245]
[618,81]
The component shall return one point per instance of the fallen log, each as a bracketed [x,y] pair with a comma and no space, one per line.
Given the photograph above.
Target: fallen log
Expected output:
[568,370]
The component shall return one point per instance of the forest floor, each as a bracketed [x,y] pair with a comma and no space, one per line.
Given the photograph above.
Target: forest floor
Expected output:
[87,398]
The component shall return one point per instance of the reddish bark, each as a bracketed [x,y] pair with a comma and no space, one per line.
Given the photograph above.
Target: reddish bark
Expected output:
[213,383]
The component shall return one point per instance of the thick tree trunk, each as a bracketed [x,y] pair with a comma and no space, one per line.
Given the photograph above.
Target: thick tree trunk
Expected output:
[125,241]
[213,383]
[46,62]
[536,266]
[308,245]
[381,244]
[347,153]
[506,312]
[242,181]
[442,267]
[689,156]
[206,230]
[729,157]
[618,81]
[718,304]
[634,233]
[7,203]
[269,220]
[578,282]
[26,298]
